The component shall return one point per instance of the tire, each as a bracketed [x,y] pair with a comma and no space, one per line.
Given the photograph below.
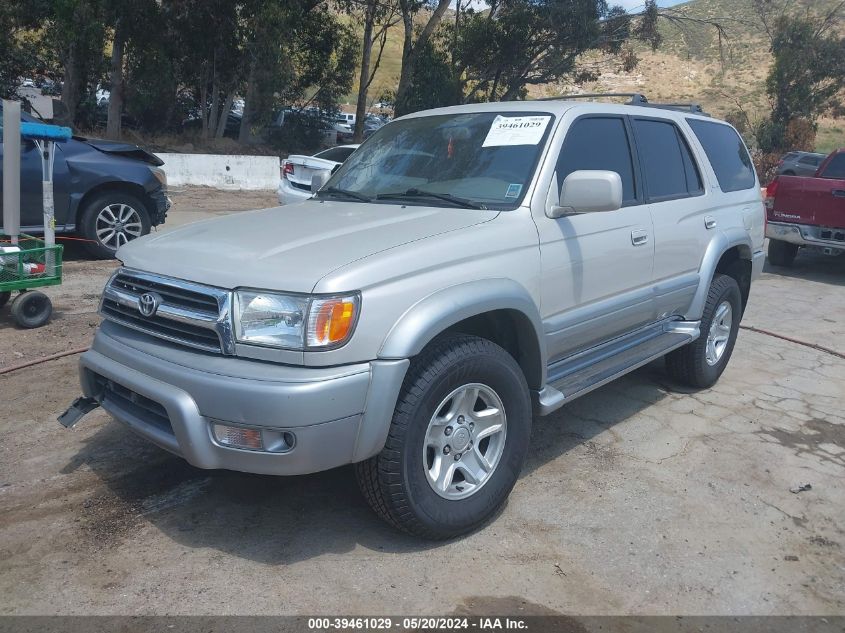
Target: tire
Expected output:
[31,309]
[96,220]
[698,364]
[4,297]
[782,253]
[397,482]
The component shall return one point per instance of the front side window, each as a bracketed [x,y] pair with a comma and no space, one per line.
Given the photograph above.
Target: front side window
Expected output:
[667,163]
[483,160]
[726,153]
[598,143]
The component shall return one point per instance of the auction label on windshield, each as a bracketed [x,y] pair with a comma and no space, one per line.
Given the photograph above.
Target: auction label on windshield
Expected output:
[516,130]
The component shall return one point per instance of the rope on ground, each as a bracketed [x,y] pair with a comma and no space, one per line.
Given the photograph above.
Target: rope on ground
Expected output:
[820,348]
[43,359]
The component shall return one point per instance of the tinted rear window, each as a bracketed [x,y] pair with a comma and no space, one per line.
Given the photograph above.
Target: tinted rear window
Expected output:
[835,168]
[668,167]
[598,143]
[726,153]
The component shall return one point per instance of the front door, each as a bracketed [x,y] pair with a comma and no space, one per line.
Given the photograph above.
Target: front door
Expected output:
[597,267]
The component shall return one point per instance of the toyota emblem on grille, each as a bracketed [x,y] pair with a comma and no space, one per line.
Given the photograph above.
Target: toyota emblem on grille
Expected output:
[148,304]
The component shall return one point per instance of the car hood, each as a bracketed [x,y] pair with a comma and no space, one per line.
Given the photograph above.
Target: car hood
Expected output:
[292,247]
[123,149]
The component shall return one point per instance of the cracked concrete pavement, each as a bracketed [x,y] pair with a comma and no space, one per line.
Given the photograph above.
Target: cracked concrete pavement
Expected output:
[638,498]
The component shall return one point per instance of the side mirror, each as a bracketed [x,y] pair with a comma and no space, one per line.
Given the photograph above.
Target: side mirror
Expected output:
[588,191]
[318,180]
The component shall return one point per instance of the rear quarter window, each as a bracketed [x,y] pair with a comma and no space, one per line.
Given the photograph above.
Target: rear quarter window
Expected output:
[726,153]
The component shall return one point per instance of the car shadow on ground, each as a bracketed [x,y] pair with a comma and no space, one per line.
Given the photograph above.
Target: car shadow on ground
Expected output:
[282,520]
[826,269]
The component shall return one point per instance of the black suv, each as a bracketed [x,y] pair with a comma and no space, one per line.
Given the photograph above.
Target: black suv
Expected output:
[107,192]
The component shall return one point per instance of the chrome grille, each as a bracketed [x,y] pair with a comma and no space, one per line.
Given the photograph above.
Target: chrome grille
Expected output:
[189,314]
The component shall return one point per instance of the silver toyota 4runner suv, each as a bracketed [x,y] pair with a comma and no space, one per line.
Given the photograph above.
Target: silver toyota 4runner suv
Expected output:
[466,269]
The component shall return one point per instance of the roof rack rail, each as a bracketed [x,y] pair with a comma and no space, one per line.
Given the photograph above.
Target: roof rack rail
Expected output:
[635,97]
[695,108]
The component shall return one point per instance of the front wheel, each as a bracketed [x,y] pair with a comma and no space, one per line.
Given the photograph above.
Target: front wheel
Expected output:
[457,441]
[111,220]
[700,363]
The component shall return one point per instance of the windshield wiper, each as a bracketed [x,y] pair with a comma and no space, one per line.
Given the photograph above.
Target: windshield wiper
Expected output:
[419,193]
[345,192]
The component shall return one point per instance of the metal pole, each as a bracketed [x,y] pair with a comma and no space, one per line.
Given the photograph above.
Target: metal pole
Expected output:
[12,169]
[47,149]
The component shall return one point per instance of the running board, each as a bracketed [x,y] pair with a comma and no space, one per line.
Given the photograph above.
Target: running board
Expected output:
[579,374]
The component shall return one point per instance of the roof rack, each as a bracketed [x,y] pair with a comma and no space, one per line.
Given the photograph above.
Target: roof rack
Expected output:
[635,98]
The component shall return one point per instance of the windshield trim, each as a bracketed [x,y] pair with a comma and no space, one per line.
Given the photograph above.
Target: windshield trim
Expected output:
[542,149]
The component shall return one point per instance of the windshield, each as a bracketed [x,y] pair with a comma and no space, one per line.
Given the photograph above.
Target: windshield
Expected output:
[477,160]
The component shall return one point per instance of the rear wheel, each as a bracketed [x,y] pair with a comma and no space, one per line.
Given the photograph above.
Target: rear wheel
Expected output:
[457,441]
[31,309]
[700,363]
[782,253]
[111,220]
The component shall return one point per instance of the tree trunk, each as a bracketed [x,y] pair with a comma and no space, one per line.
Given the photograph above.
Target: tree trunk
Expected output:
[364,81]
[215,101]
[71,91]
[224,118]
[245,133]
[411,49]
[116,89]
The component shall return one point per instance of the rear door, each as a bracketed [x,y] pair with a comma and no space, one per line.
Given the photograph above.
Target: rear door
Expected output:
[827,195]
[674,192]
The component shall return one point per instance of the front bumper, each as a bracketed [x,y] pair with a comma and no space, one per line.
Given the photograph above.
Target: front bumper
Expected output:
[807,235]
[170,396]
[161,203]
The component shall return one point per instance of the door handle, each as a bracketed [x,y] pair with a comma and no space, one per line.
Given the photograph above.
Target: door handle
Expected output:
[709,222]
[838,193]
[639,237]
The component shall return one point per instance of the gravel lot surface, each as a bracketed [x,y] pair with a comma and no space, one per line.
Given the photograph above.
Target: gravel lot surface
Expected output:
[638,498]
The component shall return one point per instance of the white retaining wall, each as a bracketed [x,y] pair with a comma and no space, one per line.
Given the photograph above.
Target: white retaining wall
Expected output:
[221,171]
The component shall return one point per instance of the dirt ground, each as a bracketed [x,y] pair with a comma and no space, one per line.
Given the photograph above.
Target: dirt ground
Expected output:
[638,498]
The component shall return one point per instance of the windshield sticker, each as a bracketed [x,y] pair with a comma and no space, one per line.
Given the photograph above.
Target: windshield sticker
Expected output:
[513,190]
[516,130]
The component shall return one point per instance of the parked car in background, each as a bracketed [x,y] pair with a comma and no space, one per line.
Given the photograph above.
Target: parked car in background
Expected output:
[104,191]
[348,118]
[298,170]
[799,163]
[807,212]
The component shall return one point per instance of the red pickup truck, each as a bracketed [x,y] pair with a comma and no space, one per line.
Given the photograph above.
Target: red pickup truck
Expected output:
[807,212]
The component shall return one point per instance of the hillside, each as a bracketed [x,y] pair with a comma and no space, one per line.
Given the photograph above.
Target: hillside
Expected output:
[691,64]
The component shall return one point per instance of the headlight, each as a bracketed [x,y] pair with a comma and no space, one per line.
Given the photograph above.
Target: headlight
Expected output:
[160,175]
[295,322]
